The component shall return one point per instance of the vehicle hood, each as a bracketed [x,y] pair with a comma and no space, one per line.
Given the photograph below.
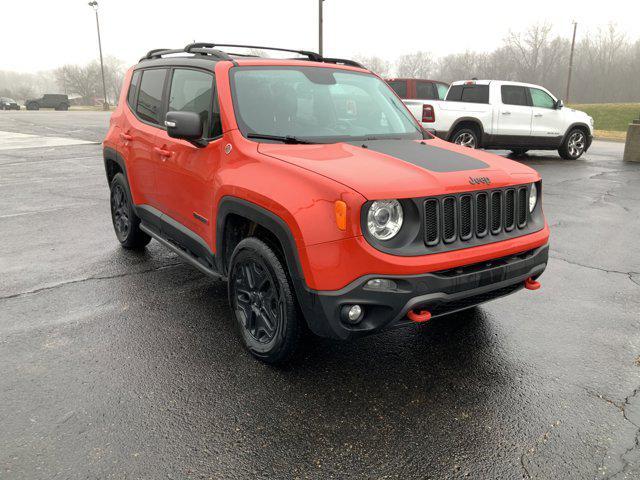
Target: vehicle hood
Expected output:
[379,169]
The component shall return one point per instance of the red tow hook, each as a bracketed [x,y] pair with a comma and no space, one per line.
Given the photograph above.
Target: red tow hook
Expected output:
[531,284]
[419,317]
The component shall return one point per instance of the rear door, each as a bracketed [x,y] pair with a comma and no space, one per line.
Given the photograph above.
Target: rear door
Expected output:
[547,120]
[186,176]
[139,136]
[514,111]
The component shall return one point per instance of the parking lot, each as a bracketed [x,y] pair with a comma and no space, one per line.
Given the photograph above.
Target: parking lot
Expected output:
[117,364]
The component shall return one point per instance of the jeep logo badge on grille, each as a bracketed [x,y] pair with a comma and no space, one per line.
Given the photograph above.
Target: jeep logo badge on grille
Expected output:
[479,180]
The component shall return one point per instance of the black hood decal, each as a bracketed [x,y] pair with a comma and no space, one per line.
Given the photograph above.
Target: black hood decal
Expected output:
[422,154]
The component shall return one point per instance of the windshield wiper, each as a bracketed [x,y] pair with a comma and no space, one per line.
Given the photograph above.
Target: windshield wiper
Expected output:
[279,138]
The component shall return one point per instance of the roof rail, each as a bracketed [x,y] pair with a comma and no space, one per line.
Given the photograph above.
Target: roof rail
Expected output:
[211,49]
[313,56]
[343,61]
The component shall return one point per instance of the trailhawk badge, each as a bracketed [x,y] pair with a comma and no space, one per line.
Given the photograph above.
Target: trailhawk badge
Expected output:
[479,180]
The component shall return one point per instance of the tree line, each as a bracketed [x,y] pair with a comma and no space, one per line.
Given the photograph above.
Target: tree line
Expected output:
[606,68]
[83,82]
[606,64]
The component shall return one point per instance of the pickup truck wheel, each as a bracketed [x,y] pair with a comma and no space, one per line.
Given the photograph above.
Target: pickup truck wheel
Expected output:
[574,145]
[261,297]
[125,221]
[466,137]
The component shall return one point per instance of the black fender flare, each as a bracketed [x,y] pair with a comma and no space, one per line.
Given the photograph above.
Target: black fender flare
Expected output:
[111,155]
[474,120]
[275,224]
[233,205]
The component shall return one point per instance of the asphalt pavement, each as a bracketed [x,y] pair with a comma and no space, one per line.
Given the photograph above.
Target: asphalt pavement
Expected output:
[116,364]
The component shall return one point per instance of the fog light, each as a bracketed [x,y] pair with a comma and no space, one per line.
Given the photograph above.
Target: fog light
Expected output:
[352,313]
[381,284]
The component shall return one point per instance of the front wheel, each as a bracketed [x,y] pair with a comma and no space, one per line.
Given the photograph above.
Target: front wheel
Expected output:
[262,299]
[574,145]
[467,137]
[125,221]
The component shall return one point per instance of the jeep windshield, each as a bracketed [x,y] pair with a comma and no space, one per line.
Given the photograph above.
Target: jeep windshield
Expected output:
[317,105]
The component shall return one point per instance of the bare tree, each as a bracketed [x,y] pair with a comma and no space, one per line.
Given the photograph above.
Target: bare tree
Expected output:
[416,65]
[376,65]
[84,81]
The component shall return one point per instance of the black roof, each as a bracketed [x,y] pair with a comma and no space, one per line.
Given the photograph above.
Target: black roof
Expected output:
[206,55]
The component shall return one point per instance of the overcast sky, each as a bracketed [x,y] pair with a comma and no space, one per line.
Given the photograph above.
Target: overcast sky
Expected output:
[44,34]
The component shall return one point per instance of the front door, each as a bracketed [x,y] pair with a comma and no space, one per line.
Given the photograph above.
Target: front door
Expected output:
[186,173]
[547,120]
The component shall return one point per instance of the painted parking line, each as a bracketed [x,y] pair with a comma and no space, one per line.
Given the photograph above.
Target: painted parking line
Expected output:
[14,141]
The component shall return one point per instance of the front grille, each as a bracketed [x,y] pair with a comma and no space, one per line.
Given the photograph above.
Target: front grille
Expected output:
[467,216]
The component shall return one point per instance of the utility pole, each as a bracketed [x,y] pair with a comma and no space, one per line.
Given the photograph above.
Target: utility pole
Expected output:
[320,26]
[573,46]
[105,106]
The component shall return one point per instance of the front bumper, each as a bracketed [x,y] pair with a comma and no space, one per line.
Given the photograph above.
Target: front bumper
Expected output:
[440,293]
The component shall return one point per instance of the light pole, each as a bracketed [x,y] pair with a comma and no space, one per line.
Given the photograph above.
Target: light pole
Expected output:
[320,26]
[573,46]
[105,106]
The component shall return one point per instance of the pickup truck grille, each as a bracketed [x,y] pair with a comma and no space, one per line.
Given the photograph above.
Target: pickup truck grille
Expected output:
[464,217]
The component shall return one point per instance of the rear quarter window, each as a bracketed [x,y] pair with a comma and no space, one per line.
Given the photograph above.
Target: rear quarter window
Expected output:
[133,89]
[469,93]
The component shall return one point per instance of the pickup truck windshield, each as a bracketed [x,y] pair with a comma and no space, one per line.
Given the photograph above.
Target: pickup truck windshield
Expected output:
[315,104]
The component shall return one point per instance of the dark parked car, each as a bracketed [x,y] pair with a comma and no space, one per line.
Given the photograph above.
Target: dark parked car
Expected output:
[8,104]
[418,89]
[49,100]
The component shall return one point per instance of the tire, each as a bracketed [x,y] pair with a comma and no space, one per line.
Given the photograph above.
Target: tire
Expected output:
[574,145]
[33,106]
[125,221]
[517,152]
[62,107]
[264,306]
[467,137]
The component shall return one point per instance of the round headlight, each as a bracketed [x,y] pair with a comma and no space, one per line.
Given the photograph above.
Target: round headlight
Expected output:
[384,219]
[533,197]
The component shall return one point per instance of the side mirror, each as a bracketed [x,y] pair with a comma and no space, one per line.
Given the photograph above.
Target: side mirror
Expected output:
[185,125]
[559,104]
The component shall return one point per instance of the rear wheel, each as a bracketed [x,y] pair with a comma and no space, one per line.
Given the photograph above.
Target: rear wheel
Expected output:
[574,145]
[467,137]
[125,221]
[262,299]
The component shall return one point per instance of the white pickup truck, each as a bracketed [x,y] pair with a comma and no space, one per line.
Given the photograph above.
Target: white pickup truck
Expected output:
[505,115]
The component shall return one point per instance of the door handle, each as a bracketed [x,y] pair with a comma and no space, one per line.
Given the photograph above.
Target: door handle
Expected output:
[538,115]
[162,152]
[126,137]
[506,113]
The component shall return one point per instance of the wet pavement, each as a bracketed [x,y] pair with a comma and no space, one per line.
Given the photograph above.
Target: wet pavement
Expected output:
[122,365]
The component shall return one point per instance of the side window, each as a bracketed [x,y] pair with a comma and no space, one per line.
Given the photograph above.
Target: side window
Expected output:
[400,87]
[442,90]
[192,91]
[426,91]
[541,98]
[150,95]
[133,89]
[513,95]
[469,93]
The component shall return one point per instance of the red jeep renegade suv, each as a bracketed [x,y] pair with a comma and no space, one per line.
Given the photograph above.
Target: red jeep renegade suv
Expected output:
[309,187]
